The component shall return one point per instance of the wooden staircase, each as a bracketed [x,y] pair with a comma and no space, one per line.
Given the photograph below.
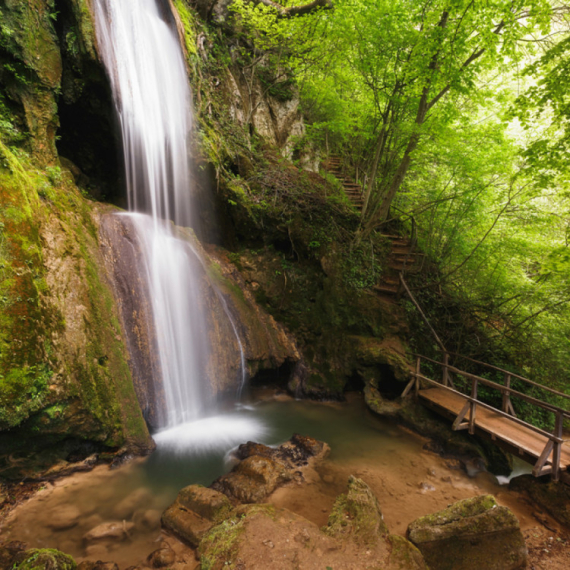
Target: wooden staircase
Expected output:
[400,260]
[402,257]
[352,189]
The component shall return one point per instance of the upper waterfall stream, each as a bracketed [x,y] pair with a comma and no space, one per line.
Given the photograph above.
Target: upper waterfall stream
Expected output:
[141,52]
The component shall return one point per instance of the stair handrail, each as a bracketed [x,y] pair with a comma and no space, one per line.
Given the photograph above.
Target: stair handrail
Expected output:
[513,375]
[426,320]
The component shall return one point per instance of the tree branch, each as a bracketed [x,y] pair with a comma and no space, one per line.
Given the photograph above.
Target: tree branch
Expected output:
[292,11]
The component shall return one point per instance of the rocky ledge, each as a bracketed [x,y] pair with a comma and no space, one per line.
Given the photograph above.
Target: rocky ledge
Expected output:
[473,533]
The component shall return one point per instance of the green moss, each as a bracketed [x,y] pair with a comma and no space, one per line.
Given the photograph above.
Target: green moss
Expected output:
[356,515]
[404,555]
[218,547]
[189,22]
[45,558]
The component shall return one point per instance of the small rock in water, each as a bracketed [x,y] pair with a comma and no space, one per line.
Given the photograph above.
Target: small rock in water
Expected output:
[65,517]
[148,520]
[96,551]
[114,530]
[90,565]
[126,507]
[163,556]
[92,521]
[425,487]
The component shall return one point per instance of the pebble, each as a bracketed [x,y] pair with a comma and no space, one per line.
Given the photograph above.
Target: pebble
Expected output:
[113,530]
[64,517]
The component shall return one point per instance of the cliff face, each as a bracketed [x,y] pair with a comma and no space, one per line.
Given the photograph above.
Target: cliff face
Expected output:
[77,352]
[65,384]
[234,321]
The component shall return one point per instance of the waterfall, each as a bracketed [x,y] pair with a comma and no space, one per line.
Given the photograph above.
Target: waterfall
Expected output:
[141,52]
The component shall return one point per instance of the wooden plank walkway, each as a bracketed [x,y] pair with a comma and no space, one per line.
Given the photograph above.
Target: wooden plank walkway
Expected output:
[547,451]
[515,438]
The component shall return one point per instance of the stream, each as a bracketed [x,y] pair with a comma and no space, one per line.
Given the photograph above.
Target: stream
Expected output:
[407,480]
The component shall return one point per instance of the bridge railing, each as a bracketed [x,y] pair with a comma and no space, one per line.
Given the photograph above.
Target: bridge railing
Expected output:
[472,402]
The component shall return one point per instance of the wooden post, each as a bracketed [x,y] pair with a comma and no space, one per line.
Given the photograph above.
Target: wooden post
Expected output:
[473,405]
[445,369]
[507,404]
[557,446]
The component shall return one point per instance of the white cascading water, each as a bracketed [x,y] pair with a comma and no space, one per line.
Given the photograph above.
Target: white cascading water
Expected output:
[145,64]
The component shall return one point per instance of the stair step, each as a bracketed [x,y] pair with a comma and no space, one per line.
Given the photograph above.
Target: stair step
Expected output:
[386,289]
[395,238]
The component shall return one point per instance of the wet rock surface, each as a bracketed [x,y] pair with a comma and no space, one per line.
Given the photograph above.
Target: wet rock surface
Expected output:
[473,533]
[263,469]
[194,512]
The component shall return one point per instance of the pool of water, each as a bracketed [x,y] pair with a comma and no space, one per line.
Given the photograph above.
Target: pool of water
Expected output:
[391,460]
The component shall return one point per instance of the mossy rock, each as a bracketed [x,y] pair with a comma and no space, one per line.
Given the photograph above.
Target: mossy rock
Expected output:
[43,559]
[473,533]
[194,512]
[356,515]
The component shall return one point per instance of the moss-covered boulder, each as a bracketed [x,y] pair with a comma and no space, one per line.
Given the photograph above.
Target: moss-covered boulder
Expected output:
[263,469]
[473,533]
[43,559]
[263,536]
[357,515]
[195,510]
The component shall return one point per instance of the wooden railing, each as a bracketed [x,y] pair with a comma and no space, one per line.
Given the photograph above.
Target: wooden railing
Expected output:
[555,438]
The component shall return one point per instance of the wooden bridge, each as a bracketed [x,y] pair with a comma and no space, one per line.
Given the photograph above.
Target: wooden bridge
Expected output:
[549,452]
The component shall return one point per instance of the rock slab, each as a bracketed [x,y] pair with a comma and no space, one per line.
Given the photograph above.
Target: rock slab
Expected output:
[194,512]
[473,533]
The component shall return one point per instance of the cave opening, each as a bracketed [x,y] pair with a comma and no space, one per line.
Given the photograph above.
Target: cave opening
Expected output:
[88,140]
[277,377]
[354,383]
[389,386]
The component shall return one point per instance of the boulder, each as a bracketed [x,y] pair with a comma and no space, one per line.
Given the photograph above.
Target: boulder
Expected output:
[253,479]
[194,512]
[43,558]
[163,556]
[263,469]
[258,537]
[357,515]
[473,533]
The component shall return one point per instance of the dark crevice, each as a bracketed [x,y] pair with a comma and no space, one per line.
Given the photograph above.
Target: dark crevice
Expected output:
[273,377]
[354,383]
[87,136]
[389,386]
